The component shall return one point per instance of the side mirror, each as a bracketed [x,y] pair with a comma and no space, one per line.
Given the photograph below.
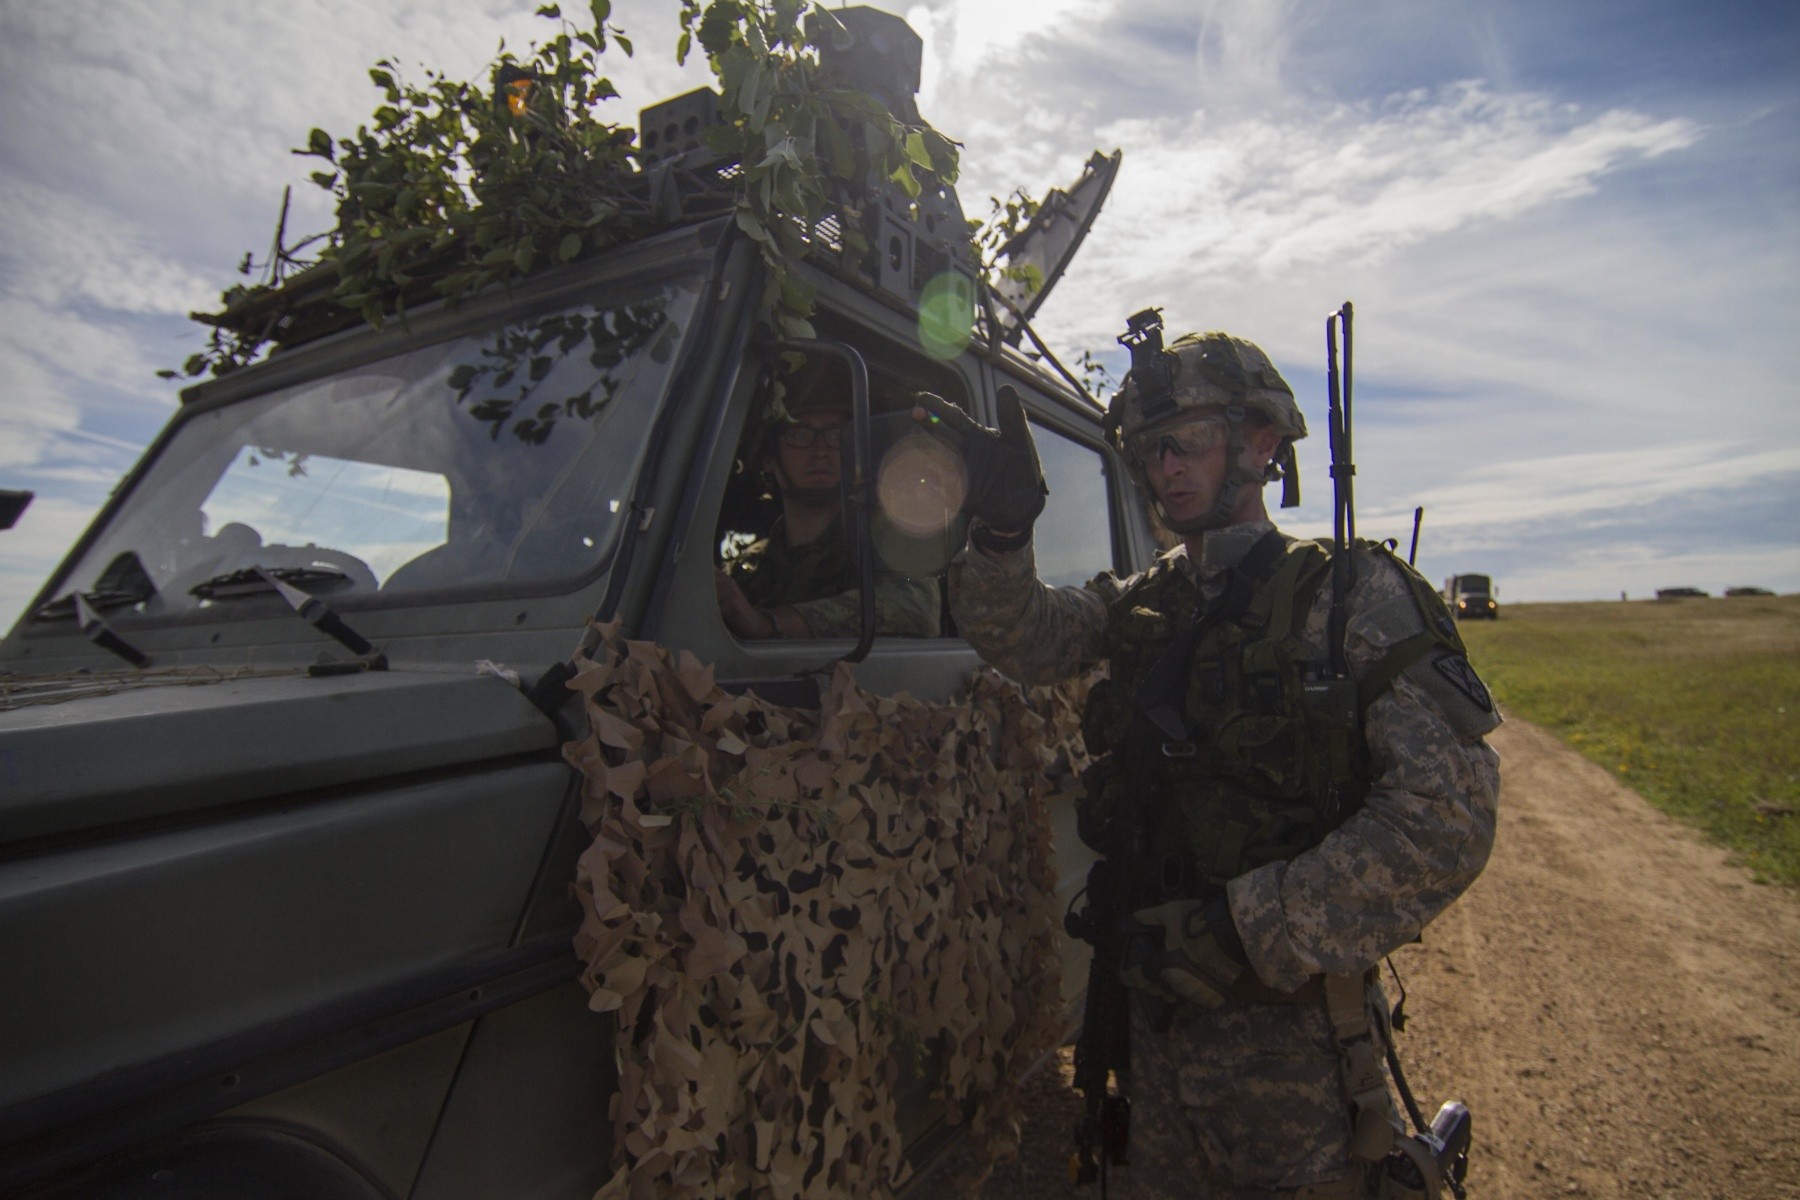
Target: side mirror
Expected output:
[12,506]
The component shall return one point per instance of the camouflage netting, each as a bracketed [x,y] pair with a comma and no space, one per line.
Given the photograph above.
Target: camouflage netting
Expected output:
[782,904]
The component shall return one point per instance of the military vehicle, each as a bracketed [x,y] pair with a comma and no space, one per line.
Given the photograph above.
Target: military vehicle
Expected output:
[286,837]
[1472,597]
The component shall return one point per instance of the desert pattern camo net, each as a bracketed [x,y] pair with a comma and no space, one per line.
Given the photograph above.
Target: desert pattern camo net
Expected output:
[781,904]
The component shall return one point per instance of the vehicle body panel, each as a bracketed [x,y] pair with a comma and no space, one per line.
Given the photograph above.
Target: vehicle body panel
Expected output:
[338,904]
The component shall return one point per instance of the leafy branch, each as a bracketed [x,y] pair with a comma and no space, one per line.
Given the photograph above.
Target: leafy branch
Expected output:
[453,187]
[811,144]
[1006,220]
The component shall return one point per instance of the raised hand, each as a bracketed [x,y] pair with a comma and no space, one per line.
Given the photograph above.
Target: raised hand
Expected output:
[1006,482]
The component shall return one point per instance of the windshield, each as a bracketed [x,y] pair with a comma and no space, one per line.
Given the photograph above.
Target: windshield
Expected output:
[1473,584]
[499,457]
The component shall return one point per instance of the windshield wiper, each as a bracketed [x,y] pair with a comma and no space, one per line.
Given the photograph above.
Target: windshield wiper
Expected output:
[63,607]
[254,581]
[95,629]
[124,584]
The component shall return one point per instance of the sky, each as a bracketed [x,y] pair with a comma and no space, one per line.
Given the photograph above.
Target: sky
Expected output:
[1571,234]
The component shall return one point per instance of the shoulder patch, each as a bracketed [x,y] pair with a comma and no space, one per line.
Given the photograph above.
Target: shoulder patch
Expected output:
[1456,669]
[1450,682]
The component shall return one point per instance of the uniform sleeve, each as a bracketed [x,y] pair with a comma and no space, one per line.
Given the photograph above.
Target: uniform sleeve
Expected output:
[1026,629]
[904,607]
[1419,840]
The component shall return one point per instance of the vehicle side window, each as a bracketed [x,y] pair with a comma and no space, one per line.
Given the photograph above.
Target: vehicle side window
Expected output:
[785,566]
[1074,536]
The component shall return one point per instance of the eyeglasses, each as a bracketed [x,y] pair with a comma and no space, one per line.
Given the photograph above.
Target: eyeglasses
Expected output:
[1187,441]
[801,437]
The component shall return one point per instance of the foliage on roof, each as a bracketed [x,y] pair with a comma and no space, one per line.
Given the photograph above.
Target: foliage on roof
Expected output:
[456,186]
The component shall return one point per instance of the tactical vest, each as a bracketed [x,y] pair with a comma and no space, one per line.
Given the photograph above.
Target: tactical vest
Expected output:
[1274,757]
[773,573]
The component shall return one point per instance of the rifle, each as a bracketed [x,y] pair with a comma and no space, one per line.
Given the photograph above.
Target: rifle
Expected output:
[1104,1048]
[1116,888]
[1131,876]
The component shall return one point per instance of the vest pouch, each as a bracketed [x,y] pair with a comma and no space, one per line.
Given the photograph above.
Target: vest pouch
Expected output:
[1267,748]
[1283,834]
[1336,715]
[1264,690]
[1331,703]
[1230,833]
[1103,784]
[1206,685]
[1097,719]
[1209,832]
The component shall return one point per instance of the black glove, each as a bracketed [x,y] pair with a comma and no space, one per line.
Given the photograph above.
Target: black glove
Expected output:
[1186,950]
[1006,482]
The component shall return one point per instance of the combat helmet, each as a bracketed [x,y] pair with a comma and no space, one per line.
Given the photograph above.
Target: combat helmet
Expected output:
[1205,370]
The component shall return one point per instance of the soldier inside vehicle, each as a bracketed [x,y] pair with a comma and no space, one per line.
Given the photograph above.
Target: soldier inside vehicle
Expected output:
[786,568]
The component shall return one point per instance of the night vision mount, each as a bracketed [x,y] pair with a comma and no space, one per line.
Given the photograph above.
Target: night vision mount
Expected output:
[1152,368]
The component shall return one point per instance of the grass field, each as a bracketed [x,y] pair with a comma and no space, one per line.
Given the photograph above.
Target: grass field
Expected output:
[1693,703]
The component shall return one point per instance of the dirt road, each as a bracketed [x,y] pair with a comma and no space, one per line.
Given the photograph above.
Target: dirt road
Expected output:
[1618,1005]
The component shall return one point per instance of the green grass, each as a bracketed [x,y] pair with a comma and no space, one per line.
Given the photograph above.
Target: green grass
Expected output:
[1693,703]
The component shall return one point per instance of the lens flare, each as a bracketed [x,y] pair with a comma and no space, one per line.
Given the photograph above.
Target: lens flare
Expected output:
[921,485]
[946,315]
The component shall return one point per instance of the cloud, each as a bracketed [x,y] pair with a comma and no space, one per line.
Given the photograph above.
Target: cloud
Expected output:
[28,432]
[1242,48]
[51,356]
[1713,536]
[1201,202]
[185,124]
[1567,487]
[961,38]
[62,249]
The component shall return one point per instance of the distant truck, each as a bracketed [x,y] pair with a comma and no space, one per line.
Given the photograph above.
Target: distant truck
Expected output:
[1471,597]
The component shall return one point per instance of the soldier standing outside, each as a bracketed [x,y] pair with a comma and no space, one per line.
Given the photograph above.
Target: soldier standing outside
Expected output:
[1289,849]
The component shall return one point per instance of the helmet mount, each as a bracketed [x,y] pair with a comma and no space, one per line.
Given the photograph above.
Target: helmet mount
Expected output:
[1213,371]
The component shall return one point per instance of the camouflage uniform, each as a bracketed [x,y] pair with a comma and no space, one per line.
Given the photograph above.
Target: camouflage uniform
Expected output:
[1247,1100]
[819,581]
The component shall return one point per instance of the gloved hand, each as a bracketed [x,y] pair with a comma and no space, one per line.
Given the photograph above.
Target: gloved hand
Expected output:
[1006,482]
[1186,950]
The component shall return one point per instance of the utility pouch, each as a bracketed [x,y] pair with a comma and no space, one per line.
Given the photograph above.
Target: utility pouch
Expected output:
[1372,1133]
[1410,1172]
[1423,1166]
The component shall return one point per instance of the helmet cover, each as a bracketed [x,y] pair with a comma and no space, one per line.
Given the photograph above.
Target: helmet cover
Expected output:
[1212,370]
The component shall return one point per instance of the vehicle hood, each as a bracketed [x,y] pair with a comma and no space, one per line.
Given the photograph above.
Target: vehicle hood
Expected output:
[88,751]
